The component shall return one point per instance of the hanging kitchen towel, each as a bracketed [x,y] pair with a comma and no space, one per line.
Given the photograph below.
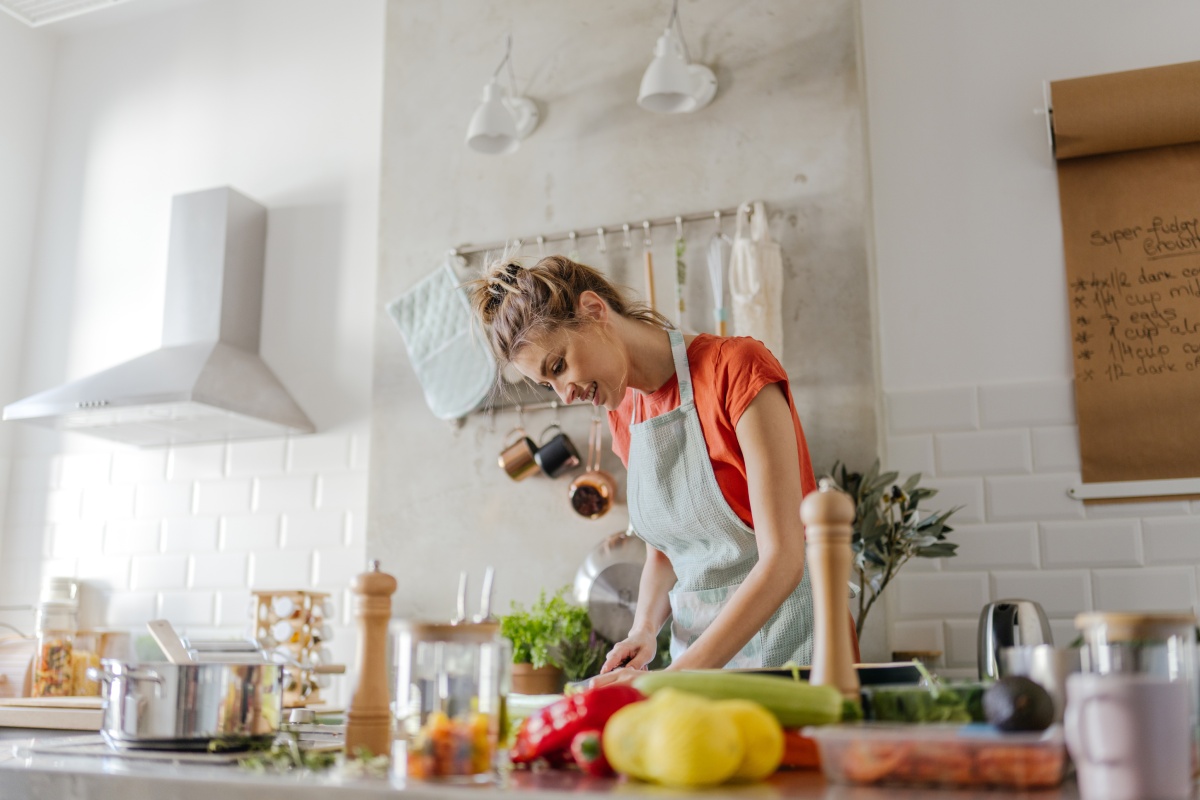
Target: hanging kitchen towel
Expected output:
[756,280]
[453,363]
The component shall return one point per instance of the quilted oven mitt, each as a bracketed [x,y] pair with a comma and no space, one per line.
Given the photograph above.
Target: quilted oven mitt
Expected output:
[454,365]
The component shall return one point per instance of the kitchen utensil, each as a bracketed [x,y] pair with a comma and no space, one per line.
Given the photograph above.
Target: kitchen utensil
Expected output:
[1045,665]
[718,255]
[649,268]
[368,720]
[606,584]
[594,492]
[517,457]
[1008,623]
[556,454]
[164,706]
[169,642]
[485,598]
[827,514]
[680,272]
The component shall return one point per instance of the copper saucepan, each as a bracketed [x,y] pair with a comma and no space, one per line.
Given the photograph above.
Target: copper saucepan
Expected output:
[594,492]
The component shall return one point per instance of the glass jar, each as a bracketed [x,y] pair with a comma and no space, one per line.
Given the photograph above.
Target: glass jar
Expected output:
[451,682]
[53,667]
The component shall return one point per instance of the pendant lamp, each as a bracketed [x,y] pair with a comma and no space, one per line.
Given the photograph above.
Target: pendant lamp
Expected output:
[671,84]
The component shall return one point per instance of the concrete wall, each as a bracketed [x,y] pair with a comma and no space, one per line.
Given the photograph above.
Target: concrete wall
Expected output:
[976,359]
[785,127]
[280,99]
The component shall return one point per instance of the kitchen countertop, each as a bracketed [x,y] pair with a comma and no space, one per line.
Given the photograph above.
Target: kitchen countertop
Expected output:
[36,775]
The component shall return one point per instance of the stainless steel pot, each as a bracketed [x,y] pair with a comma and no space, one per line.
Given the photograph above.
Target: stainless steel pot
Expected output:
[163,706]
[1009,623]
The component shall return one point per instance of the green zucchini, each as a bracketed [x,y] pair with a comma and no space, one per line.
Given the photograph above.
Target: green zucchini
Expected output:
[794,703]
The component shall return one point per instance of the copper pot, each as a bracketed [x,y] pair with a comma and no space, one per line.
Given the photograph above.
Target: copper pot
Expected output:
[594,492]
[517,457]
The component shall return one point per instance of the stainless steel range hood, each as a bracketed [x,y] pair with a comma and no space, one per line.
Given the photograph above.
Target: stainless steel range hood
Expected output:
[207,382]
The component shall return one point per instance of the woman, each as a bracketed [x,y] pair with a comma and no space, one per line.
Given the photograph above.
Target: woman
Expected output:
[716,456]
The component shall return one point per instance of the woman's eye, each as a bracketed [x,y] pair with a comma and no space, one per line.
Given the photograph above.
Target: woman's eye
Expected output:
[558,367]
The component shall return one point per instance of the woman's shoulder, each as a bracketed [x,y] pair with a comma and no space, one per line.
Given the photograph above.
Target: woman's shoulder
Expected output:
[731,353]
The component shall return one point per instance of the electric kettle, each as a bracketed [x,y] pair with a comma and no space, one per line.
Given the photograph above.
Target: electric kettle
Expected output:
[1009,623]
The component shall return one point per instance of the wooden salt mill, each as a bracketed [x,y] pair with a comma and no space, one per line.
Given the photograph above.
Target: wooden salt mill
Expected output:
[368,720]
[827,515]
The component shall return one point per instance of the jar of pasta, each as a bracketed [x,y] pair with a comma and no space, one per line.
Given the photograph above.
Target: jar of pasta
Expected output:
[53,664]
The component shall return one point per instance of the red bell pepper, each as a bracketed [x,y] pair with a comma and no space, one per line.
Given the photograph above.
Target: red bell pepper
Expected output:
[589,754]
[552,729]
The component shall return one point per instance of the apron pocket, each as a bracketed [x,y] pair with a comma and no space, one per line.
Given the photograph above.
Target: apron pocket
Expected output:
[693,612]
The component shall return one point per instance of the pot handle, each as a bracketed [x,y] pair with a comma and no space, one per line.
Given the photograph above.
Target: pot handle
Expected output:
[98,675]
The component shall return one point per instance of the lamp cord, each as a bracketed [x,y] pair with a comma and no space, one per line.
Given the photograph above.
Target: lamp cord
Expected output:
[674,20]
[512,76]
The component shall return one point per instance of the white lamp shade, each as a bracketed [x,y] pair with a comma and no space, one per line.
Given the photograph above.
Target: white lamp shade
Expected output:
[493,127]
[672,86]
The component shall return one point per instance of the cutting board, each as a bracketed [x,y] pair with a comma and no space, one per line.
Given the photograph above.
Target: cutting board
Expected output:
[52,713]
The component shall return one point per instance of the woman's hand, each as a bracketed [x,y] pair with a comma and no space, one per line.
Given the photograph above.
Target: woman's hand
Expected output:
[617,676]
[635,652]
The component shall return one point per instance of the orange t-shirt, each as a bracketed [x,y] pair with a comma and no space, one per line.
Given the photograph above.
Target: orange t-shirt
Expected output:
[727,374]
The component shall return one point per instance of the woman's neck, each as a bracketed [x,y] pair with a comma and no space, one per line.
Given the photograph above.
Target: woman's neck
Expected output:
[648,349]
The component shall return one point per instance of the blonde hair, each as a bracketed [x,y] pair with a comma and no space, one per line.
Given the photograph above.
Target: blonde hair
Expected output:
[516,303]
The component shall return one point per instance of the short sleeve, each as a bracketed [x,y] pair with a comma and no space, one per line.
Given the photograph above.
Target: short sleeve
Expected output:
[618,426]
[743,368]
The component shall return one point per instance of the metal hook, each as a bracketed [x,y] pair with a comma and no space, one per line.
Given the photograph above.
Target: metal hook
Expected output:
[679,227]
[717,216]
[625,228]
[571,235]
[541,240]
[603,245]
[646,226]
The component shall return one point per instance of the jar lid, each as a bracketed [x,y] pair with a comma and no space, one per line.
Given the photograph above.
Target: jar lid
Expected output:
[1123,626]
[480,632]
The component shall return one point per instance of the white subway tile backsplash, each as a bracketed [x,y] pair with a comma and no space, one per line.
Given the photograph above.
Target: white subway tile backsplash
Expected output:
[196,462]
[187,608]
[937,595]
[314,529]
[962,643]
[285,494]
[356,528]
[105,572]
[219,570]
[1027,405]
[1060,592]
[1145,589]
[1173,540]
[163,500]
[1091,544]
[336,567]
[1062,632]
[257,458]
[131,609]
[909,454]
[80,470]
[223,497]
[360,452]
[139,466]
[62,505]
[132,537]
[933,410]
[108,502]
[60,567]
[1056,449]
[234,609]
[190,534]
[283,569]
[250,533]
[342,491]
[964,493]
[1134,510]
[158,572]
[983,452]
[318,453]
[1035,498]
[984,547]
[917,635]
[76,539]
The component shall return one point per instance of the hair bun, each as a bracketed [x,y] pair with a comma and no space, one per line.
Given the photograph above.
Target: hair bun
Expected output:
[501,280]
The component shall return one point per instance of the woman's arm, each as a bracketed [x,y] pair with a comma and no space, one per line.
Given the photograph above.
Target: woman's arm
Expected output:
[766,435]
[653,606]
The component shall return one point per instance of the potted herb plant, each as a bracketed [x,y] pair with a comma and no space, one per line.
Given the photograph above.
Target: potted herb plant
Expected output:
[552,642]
[889,529]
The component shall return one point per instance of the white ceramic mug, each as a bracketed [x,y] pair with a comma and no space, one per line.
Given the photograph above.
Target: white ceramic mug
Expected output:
[1130,736]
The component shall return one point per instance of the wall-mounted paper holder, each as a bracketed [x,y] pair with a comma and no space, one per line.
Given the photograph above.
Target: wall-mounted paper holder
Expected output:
[1047,112]
[1135,489]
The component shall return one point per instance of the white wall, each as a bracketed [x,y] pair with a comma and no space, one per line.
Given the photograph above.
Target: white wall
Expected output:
[281,100]
[972,309]
[785,127]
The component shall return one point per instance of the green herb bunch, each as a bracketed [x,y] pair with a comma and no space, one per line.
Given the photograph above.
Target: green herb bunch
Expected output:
[555,632]
[889,529]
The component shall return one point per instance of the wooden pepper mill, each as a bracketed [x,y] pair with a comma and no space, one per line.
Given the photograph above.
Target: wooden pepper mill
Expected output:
[368,720]
[827,515]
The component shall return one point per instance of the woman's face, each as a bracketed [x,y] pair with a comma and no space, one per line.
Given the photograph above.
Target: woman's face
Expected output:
[580,365]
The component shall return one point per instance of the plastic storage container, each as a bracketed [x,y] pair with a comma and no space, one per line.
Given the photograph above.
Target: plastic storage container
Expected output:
[53,663]
[943,756]
[451,683]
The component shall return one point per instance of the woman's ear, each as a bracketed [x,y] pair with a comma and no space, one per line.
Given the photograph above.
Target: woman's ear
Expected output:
[593,307]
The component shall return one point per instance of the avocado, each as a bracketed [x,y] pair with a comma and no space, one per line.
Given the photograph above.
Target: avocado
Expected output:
[1015,703]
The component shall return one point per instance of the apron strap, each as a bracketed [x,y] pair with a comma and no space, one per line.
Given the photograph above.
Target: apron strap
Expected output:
[682,371]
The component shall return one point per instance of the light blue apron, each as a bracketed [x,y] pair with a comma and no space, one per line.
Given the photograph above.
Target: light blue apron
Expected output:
[676,506]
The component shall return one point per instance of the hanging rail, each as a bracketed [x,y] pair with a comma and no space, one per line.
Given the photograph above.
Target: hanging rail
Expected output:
[599,231]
